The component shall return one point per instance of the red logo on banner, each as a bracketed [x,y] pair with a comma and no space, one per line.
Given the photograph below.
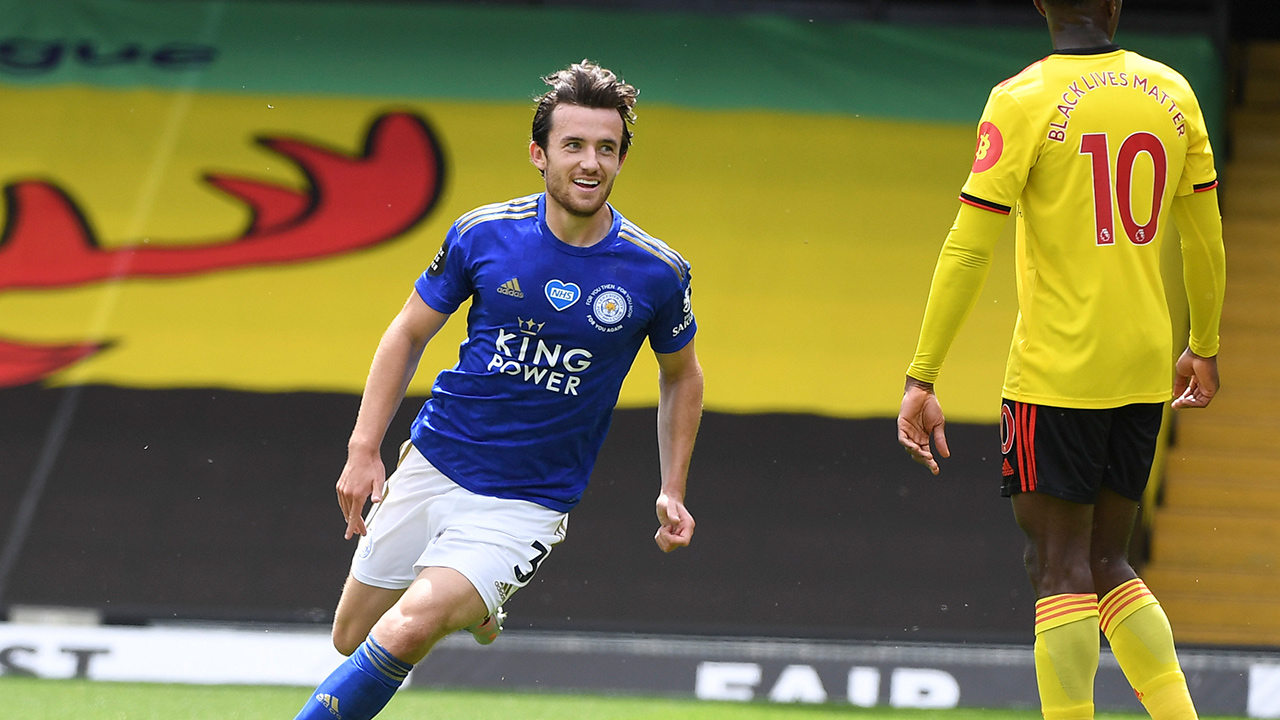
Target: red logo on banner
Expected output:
[990,146]
[353,202]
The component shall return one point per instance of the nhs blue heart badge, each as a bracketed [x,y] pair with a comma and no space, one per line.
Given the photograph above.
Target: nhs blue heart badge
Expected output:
[562,295]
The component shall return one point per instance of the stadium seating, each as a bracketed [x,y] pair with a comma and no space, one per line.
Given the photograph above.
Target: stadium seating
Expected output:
[1215,552]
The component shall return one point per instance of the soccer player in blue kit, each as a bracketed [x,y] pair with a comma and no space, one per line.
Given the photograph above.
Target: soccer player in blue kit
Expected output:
[564,290]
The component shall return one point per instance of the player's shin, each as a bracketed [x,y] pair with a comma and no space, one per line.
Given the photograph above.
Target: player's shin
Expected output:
[1066,654]
[359,688]
[1142,641]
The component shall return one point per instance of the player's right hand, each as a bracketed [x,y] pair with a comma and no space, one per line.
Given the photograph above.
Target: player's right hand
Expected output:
[363,478]
[919,419]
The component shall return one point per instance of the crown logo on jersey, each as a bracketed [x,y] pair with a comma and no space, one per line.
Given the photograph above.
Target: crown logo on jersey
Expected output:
[529,327]
[512,288]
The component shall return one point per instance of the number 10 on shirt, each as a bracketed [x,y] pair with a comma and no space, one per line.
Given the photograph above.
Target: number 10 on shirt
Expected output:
[1097,147]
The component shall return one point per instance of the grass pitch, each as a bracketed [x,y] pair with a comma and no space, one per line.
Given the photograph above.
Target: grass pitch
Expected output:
[30,699]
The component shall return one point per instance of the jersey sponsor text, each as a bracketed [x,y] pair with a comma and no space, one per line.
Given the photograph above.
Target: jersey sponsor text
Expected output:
[534,361]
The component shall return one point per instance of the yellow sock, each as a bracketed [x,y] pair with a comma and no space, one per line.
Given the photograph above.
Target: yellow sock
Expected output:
[1142,641]
[1066,655]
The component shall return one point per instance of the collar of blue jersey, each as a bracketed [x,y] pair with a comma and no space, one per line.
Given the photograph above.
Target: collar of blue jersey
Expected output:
[1098,50]
[605,243]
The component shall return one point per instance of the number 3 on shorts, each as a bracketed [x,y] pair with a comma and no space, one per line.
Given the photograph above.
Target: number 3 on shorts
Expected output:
[524,577]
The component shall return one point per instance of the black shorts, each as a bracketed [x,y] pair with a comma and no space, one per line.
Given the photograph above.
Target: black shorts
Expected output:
[1071,453]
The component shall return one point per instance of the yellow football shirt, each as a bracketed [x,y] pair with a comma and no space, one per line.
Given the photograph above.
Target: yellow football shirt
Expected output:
[1090,148]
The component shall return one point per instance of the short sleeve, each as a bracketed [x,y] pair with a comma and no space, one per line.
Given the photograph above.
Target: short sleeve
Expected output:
[446,283]
[673,324]
[1005,151]
[1198,173]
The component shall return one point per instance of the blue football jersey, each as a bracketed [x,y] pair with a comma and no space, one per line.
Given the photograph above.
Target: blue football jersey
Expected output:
[551,334]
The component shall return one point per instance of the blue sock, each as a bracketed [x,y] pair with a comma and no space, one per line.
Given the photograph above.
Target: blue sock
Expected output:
[359,688]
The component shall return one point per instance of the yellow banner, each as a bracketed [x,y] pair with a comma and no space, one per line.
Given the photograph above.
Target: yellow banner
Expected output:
[812,240]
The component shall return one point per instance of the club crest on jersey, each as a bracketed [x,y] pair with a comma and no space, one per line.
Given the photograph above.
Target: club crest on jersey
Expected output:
[610,304]
[562,295]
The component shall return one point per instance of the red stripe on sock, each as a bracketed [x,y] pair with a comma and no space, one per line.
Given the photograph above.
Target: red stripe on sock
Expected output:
[1060,598]
[1057,606]
[1054,616]
[1123,592]
[1057,602]
[1119,601]
[1109,620]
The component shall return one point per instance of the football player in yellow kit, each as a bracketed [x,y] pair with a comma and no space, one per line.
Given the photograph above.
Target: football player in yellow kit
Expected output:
[1096,150]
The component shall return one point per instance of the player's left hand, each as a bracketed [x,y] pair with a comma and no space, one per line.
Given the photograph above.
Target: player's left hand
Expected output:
[1196,381]
[676,524]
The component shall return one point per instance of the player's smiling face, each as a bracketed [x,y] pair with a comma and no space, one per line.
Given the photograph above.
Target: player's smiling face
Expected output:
[582,157]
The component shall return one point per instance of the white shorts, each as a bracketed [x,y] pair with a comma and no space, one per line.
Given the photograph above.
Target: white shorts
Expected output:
[427,520]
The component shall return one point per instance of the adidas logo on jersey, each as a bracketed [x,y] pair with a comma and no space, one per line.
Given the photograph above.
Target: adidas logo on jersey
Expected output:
[330,703]
[512,288]
[1006,469]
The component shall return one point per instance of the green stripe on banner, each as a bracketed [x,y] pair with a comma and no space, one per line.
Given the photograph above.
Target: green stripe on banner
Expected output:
[497,53]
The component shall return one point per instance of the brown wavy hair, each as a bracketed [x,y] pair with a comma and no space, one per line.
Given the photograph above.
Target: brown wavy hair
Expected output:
[585,84]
